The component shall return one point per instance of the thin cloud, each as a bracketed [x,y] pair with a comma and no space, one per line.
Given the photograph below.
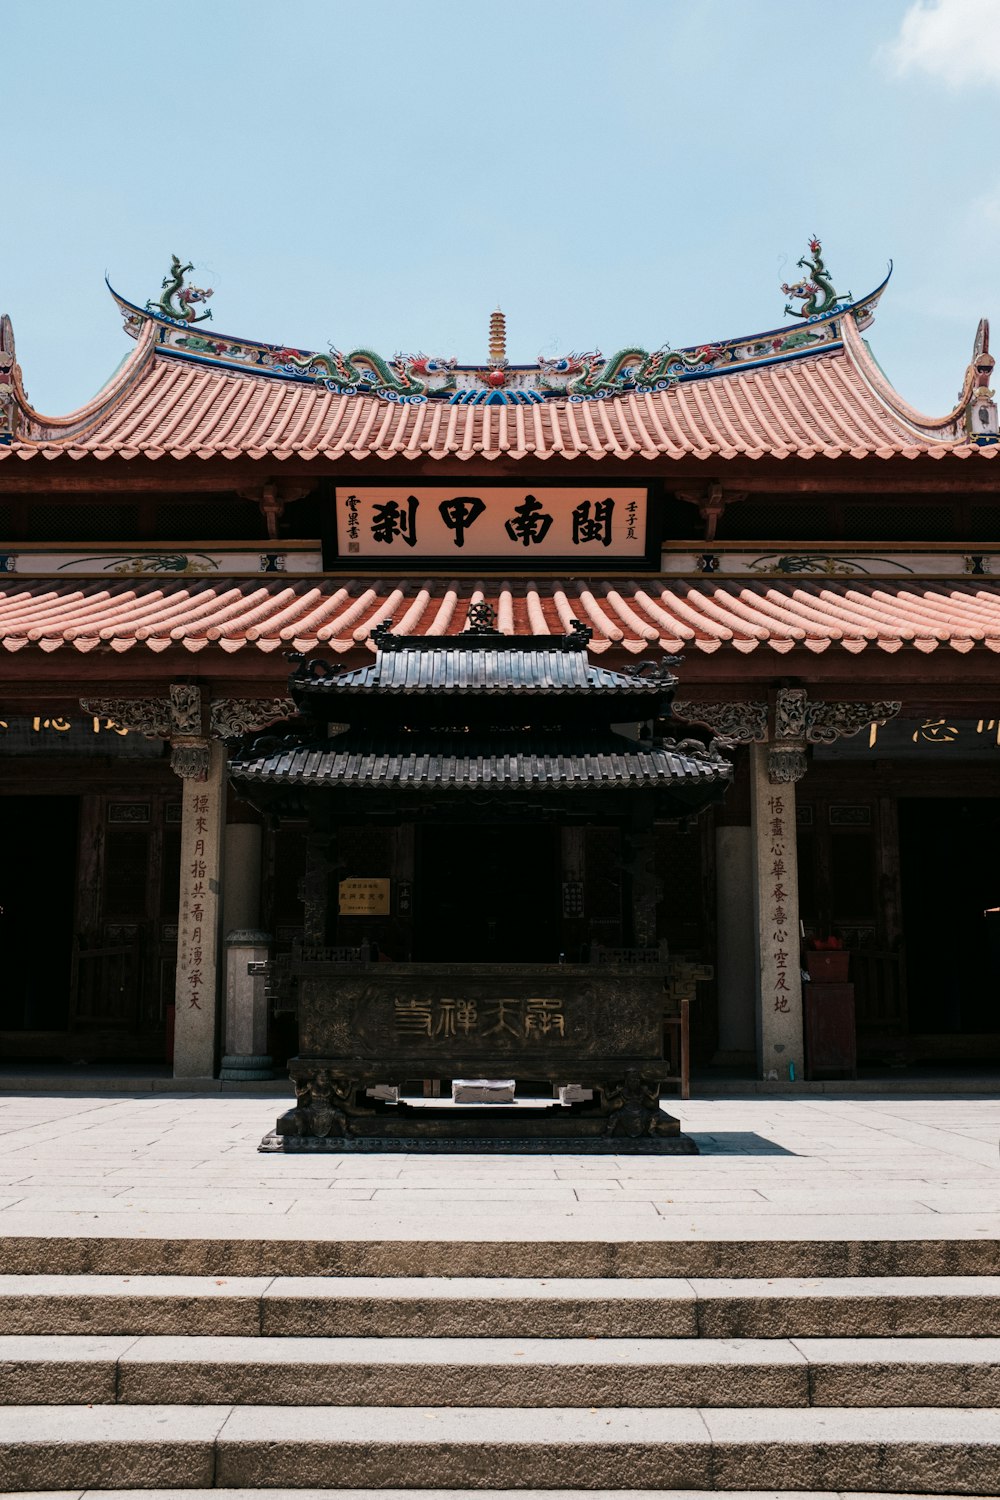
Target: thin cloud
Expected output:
[955,41]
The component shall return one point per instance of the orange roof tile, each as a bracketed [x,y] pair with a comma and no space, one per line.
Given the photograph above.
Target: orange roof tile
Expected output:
[833,403]
[634,615]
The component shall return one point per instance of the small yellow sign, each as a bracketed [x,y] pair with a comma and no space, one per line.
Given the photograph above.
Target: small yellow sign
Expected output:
[364,898]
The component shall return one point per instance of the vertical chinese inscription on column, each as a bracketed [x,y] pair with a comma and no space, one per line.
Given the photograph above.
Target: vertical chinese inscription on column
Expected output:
[191,957]
[776,931]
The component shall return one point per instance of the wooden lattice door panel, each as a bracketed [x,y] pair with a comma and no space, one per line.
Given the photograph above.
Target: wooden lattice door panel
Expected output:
[127,916]
[108,983]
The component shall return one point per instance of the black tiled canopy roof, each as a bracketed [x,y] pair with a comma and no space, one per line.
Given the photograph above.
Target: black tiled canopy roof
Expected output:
[468,763]
[457,669]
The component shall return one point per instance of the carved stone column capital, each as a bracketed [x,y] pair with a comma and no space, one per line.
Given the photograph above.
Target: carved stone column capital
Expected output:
[785,763]
[189,759]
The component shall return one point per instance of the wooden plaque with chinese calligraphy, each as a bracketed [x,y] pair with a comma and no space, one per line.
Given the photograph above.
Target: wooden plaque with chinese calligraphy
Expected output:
[511,525]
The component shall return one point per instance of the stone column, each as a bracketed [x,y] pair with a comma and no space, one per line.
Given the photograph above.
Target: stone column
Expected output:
[203,817]
[246,1008]
[776,904]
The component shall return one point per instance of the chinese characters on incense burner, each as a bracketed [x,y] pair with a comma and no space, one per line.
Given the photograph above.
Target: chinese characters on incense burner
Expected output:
[524,1019]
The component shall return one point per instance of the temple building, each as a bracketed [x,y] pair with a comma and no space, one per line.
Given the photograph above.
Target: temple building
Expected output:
[762,518]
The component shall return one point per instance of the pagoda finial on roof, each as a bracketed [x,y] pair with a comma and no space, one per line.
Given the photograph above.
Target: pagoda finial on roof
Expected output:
[816,290]
[181,310]
[981,420]
[498,338]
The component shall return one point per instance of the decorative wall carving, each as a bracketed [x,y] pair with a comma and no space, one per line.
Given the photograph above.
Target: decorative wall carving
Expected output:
[185,708]
[827,722]
[743,723]
[232,717]
[179,718]
[145,716]
[790,706]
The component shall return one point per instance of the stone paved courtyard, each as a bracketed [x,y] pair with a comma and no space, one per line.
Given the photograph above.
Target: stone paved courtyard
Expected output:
[780,1168]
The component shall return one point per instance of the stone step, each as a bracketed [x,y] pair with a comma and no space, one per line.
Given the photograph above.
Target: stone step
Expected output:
[470,1307]
[290,1250]
[203,1447]
[317,1494]
[511,1372]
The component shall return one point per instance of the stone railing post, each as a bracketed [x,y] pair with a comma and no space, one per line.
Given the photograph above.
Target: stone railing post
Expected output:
[246,1056]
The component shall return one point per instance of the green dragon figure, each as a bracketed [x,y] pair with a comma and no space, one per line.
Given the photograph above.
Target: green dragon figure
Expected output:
[638,368]
[182,311]
[810,289]
[356,369]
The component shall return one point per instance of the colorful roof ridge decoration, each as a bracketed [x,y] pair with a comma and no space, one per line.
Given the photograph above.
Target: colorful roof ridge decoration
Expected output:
[638,615]
[809,390]
[417,378]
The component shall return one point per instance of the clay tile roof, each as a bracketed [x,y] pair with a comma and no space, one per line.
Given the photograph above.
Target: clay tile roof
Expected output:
[834,403]
[338,615]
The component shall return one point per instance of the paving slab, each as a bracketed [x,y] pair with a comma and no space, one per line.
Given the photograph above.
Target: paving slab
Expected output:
[848,1307]
[868,1448]
[932,1372]
[59,1370]
[109,1305]
[504,1372]
[478,1306]
[382,1494]
[519,1494]
[639,1448]
[108,1447]
[818,1171]
[550,1448]
[458,1244]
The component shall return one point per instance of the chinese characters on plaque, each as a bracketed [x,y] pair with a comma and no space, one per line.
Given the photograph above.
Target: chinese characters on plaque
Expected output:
[939,736]
[776,932]
[65,733]
[492,522]
[524,1020]
[364,898]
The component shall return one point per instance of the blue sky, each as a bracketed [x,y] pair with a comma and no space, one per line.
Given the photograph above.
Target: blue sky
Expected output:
[609,171]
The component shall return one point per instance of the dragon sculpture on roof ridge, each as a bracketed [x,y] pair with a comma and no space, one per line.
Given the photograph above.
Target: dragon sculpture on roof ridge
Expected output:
[638,369]
[817,290]
[181,310]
